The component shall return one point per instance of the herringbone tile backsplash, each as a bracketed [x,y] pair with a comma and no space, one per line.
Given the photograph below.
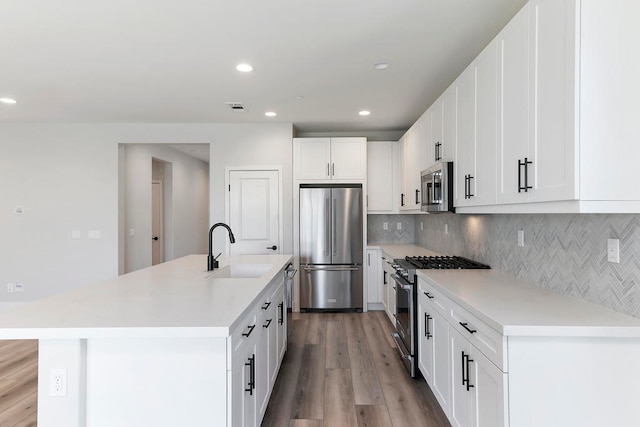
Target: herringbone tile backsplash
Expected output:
[566,253]
[376,232]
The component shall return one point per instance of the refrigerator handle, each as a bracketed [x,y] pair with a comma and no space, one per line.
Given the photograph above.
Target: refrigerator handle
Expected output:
[308,268]
[327,237]
[333,227]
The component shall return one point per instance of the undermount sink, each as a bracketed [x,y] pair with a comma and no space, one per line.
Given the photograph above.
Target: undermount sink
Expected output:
[241,271]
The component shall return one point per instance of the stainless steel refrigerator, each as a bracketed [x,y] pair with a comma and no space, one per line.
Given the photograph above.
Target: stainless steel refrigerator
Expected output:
[331,246]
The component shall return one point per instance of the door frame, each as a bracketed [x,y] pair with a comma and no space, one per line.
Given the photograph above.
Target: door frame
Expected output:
[161,218]
[227,201]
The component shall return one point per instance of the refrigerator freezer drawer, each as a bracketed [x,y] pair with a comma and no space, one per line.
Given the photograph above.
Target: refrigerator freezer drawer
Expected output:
[331,287]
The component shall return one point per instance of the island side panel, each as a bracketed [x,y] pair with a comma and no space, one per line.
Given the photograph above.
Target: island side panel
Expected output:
[573,381]
[68,408]
[156,382]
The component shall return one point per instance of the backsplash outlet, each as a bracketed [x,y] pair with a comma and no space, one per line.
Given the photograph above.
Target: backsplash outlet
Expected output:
[376,233]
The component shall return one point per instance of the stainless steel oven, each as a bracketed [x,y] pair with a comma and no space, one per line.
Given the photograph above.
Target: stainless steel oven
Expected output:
[405,333]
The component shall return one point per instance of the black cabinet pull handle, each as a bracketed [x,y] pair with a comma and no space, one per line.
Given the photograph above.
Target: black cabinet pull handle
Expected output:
[465,325]
[429,295]
[268,323]
[417,197]
[252,375]
[464,376]
[466,186]
[427,331]
[246,334]
[469,178]
[469,385]
[154,238]
[384,277]
[438,151]
[281,319]
[402,199]
[266,305]
[524,164]
[273,248]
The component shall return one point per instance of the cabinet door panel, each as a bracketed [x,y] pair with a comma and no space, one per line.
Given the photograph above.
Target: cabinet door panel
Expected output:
[461,399]
[513,96]
[348,158]
[425,340]
[380,172]
[483,184]
[312,158]
[490,388]
[552,136]
[466,138]
[441,367]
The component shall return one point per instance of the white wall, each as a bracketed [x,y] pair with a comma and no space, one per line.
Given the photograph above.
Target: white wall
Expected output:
[187,188]
[252,147]
[66,177]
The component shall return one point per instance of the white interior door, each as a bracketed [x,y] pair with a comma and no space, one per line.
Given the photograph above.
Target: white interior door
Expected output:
[157,245]
[254,211]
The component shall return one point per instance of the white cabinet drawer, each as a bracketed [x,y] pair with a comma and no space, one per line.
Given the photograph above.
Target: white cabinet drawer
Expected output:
[489,341]
[243,334]
[435,299]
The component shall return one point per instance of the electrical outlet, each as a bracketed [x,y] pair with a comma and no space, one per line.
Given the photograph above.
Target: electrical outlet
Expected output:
[613,250]
[385,225]
[76,234]
[94,234]
[19,287]
[399,226]
[58,382]
[521,238]
[421,225]
[19,210]
[10,287]
[132,232]
[446,229]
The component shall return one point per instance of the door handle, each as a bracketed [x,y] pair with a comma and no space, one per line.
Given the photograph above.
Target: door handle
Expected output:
[273,248]
[154,238]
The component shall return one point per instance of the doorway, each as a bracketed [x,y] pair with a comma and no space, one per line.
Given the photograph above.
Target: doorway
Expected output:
[157,223]
[254,210]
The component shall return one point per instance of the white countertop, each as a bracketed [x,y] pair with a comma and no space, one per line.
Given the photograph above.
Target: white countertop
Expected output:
[174,299]
[517,308]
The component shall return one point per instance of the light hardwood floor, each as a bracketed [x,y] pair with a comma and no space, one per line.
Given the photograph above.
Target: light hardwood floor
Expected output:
[342,369]
[18,383]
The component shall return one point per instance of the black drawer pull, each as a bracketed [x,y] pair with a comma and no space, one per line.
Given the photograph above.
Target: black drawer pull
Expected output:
[268,323]
[266,305]
[281,319]
[429,295]
[246,334]
[465,325]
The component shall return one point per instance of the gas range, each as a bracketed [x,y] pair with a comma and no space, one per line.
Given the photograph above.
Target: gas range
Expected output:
[407,266]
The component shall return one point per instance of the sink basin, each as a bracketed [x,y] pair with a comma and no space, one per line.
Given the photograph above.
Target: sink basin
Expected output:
[241,271]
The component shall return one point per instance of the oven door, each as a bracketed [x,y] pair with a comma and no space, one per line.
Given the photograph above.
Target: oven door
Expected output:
[404,323]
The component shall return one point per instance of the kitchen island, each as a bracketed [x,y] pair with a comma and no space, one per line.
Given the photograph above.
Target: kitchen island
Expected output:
[167,345]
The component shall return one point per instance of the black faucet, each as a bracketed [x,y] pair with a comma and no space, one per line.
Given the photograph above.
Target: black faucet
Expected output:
[212,262]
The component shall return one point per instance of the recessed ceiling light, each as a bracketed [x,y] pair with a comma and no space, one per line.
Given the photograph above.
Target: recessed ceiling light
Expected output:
[8,101]
[245,68]
[381,65]
[299,97]
[364,112]
[270,114]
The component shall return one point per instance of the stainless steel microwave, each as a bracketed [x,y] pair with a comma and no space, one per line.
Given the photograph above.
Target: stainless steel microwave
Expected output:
[437,188]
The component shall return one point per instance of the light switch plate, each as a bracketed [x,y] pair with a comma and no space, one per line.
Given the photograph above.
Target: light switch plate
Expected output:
[94,234]
[76,234]
[399,226]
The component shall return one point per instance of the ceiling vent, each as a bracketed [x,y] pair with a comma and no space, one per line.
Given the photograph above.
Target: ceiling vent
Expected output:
[235,106]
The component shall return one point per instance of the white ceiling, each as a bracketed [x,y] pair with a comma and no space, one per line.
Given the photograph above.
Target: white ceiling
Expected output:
[174,61]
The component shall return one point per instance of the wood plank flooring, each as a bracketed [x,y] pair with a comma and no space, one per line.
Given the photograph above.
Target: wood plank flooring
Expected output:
[18,383]
[342,369]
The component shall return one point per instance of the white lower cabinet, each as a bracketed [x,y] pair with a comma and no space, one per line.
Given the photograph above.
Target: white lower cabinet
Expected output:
[374,285]
[478,387]
[258,345]
[469,387]
[388,286]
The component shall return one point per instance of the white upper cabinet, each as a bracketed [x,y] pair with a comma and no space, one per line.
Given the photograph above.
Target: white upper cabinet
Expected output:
[443,127]
[330,158]
[381,181]
[465,160]
[417,155]
[536,100]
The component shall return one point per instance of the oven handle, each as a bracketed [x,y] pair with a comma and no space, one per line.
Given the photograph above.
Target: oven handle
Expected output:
[396,338]
[400,281]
